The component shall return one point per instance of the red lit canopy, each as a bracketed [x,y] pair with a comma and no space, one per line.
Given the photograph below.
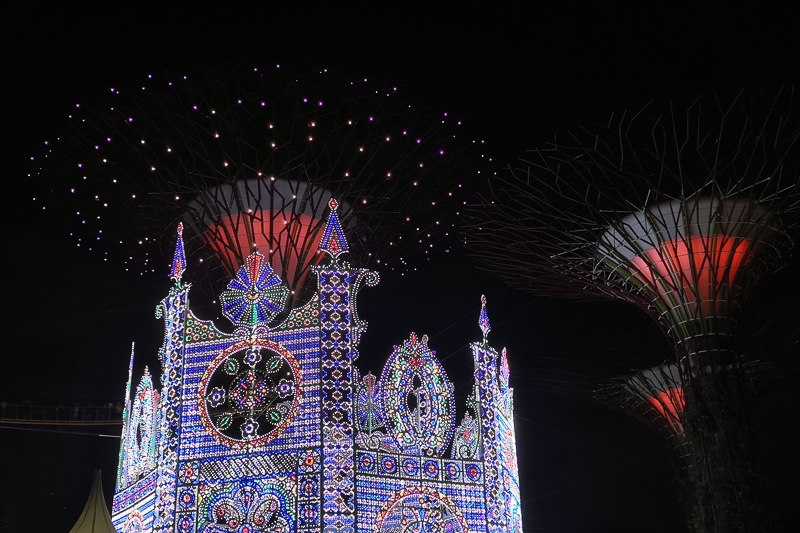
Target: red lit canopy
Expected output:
[687,254]
[284,220]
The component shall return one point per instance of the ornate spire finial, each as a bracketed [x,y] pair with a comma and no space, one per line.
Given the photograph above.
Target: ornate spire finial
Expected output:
[179,259]
[505,372]
[333,240]
[483,321]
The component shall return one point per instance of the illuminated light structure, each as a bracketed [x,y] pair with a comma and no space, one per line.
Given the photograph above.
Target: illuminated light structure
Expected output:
[269,425]
[680,214]
[247,159]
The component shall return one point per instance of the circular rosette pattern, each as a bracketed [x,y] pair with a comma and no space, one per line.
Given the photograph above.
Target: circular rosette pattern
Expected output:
[417,399]
[255,295]
[250,393]
[420,510]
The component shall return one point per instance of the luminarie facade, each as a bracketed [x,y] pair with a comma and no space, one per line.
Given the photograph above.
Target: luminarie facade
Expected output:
[272,427]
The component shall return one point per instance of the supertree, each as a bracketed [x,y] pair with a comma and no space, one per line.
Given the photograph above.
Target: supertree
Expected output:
[679,213]
[248,159]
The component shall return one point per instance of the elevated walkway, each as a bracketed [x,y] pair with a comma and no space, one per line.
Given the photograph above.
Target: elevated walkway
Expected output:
[60,415]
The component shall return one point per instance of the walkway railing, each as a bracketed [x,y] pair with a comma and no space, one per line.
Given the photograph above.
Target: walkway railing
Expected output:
[60,415]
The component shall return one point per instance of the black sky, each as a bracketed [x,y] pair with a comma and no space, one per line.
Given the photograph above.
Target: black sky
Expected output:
[518,77]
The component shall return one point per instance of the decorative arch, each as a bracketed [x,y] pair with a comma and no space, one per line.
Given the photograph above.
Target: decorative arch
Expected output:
[417,399]
[140,449]
[420,510]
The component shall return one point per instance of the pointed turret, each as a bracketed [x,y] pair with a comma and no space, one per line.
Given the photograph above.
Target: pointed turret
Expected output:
[126,415]
[483,320]
[333,242]
[95,517]
[179,258]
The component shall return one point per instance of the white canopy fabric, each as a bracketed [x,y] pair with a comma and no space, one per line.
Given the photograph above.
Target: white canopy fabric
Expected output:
[95,517]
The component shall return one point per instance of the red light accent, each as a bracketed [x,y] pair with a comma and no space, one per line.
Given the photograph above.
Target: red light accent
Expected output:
[293,242]
[700,267]
[669,404]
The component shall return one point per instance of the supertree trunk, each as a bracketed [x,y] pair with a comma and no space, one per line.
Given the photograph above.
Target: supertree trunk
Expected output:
[723,487]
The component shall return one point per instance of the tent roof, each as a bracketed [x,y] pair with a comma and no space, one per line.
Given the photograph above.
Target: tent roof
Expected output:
[95,517]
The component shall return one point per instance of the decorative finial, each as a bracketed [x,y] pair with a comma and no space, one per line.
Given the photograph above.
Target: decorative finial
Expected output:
[333,240]
[179,259]
[483,321]
[505,373]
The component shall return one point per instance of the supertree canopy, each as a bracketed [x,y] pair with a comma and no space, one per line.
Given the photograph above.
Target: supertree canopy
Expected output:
[680,213]
[248,159]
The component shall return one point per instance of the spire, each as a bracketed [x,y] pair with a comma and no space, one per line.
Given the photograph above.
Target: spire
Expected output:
[483,321]
[126,414]
[179,259]
[333,240]
[95,517]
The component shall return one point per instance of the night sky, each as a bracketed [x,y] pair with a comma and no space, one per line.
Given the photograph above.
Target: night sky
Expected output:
[517,78]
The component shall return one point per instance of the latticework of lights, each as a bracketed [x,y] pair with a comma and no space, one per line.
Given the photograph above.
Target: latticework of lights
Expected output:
[248,158]
[681,214]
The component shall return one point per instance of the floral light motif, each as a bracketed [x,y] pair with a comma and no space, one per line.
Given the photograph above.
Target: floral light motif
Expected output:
[256,294]
[247,508]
